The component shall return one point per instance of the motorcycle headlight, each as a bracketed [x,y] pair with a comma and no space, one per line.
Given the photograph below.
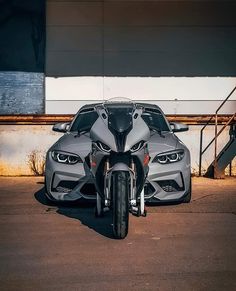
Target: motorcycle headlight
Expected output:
[103,147]
[170,157]
[137,146]
[66,158]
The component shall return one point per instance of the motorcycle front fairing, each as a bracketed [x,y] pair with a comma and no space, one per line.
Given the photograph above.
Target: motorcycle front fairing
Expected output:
[119,142]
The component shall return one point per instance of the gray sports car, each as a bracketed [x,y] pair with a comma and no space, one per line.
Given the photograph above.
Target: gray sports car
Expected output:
[68,176]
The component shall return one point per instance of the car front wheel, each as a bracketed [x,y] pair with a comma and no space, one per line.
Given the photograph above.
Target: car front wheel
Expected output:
[188,197]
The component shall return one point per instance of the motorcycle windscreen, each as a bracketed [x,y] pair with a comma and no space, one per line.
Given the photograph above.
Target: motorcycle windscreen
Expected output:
[120,116]
[120,122]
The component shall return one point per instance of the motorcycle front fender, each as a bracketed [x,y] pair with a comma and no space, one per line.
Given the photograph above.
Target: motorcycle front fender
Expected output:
[120,167]
[108,177]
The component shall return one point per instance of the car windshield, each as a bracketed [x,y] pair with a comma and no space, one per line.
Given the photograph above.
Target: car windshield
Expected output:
[84,121]
[155,120]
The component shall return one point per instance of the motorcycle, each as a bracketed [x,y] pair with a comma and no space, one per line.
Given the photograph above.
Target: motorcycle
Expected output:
[119,162]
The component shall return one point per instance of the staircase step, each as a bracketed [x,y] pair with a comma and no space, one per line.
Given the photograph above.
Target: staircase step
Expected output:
[223,159]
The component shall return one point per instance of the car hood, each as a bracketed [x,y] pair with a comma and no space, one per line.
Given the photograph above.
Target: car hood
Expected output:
[72,143]
[81,145]
[159,144]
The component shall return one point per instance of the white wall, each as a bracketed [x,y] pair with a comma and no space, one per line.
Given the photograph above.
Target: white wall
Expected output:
[19,141]
[175,95]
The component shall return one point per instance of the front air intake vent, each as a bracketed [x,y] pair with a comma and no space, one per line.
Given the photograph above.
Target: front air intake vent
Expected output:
[65,186]
[88,189]
[148,189]
[170,186]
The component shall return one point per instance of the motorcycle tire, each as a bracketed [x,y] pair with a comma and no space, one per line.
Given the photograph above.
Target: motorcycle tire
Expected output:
[120,195]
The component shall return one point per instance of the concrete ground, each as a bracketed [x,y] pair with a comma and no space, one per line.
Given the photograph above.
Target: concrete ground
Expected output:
[176,247]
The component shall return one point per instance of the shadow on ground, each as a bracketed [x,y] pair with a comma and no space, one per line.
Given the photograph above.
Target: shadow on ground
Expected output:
[83,211]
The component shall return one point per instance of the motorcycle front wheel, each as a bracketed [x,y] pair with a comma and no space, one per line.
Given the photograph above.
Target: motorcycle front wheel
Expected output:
[120,195]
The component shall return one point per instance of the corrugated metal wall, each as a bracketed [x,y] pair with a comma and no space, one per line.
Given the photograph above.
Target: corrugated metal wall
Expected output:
[22,56]
[141,38]
[134,44]
[179,54]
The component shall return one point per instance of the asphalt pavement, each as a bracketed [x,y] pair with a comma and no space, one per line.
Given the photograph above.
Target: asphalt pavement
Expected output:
[44,246]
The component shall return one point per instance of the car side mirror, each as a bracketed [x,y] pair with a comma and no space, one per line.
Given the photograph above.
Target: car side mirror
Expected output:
[61,127]
[178,127]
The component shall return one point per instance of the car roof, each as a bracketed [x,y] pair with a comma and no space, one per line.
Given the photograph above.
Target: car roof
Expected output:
[89,107]
[149,106]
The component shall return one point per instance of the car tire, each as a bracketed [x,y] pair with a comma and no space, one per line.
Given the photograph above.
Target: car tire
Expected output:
[99,208]
[188,197]
[48,200]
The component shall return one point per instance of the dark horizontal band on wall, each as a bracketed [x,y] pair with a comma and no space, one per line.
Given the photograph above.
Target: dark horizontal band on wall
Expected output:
[48,119]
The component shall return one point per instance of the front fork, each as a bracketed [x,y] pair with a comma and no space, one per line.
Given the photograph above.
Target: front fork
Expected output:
[139,210]
[136,208]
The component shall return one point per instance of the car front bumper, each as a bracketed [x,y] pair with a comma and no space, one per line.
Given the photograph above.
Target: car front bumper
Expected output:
[68,182]
[164,183]
[170,182]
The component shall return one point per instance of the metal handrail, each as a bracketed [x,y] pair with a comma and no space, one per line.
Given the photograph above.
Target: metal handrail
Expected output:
[225,100]
[201,152]
[228,122]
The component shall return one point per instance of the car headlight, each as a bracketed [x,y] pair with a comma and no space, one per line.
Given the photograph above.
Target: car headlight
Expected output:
[66,158]
[169,157]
